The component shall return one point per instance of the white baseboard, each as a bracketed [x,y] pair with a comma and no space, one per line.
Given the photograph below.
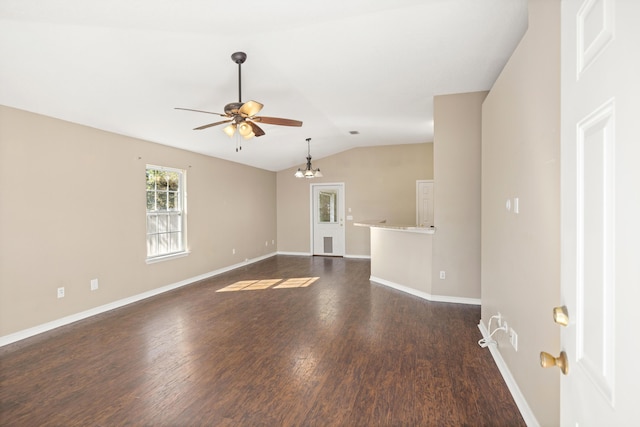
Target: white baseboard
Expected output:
[358,256]
[425,295]
[310,254]
[294,253]
[26,333]
[521,402]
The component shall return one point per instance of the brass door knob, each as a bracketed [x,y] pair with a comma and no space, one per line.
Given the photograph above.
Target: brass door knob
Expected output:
[562,362]
[561,315]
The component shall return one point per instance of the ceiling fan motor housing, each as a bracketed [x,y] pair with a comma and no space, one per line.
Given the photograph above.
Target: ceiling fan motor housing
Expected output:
[232,108]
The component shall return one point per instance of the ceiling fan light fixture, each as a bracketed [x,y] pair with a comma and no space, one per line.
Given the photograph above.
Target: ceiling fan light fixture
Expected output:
[250,108]
[245,129]
[230,130]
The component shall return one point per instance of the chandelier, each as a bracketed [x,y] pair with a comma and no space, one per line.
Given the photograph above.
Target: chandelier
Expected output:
[309,172]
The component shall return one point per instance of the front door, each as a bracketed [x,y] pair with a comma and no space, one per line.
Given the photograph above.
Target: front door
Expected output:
[328,219]
[600,232]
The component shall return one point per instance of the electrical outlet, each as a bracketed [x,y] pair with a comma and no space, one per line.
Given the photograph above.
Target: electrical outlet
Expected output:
[94,284]
[61,292]
[443,275]
[266,243]
[513,337]
[233,251]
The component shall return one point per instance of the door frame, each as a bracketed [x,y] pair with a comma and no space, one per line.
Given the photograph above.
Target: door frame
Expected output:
[341,209]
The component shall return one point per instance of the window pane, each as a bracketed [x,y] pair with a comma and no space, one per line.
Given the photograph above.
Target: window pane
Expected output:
[172,202]
[152,224]
[161,182]
[151,200]
[152,245]
[328,207]
[174,181]
[161,201]
[176,242]
[163,243]
[151,179]
[176,223]
[163,223]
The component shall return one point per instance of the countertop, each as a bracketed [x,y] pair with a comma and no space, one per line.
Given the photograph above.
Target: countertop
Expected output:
[382,223]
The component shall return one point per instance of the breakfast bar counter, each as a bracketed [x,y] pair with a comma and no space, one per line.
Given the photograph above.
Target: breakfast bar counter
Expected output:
[401,256]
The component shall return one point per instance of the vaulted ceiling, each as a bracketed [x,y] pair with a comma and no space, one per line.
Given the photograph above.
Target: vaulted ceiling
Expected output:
[370,66]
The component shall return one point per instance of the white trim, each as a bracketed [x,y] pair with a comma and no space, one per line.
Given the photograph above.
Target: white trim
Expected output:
[308,254]
[358,256]
[167,257]
[26,333]
[425,295]
[512,385]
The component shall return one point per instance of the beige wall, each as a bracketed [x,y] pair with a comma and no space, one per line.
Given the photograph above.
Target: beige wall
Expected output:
[402,258]
[380,183]
[73,209]
[521,252]
[456,146]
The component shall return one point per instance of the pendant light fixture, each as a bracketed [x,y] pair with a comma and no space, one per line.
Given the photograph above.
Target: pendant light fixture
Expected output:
[309,172]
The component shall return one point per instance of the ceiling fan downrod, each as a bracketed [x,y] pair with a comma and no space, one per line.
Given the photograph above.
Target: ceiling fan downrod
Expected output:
[239,58]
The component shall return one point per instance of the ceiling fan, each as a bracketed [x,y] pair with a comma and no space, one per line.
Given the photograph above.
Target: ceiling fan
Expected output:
[241,116]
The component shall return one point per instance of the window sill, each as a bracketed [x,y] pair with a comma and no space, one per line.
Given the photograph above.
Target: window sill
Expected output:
[167,257]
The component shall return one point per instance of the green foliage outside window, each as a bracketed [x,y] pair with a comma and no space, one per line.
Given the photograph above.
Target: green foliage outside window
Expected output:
[162,190]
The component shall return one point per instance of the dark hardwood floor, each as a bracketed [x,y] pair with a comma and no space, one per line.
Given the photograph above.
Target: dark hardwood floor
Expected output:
[339,352]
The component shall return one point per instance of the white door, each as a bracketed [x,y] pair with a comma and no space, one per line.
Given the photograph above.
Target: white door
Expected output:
[424,203]
[328,219]
[600,199]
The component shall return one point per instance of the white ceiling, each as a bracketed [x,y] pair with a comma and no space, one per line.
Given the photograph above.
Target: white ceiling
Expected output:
[371,66]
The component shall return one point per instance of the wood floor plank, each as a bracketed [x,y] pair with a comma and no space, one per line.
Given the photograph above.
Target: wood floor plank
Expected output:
[340,351]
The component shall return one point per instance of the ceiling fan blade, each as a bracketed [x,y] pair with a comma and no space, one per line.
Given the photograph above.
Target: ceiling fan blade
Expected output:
[257,130]
[212,124]
[250,108]
[200,111]
[277,121]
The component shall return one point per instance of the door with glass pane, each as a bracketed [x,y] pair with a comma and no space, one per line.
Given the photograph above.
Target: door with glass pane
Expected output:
[328,219]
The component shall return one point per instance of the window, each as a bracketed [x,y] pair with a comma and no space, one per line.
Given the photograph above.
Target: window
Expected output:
[166,219]
[328,206]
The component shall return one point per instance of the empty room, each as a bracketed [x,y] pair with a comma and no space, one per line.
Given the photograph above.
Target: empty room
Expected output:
[342,213]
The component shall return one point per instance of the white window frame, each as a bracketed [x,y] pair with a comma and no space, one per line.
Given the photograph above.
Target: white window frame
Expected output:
[153,230]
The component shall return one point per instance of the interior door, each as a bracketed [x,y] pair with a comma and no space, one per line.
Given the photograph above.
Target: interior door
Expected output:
[328,219]
[424,203]
[600,179]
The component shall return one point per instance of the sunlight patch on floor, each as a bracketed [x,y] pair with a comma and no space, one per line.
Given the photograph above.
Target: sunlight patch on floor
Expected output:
[253,285]
[301,282]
